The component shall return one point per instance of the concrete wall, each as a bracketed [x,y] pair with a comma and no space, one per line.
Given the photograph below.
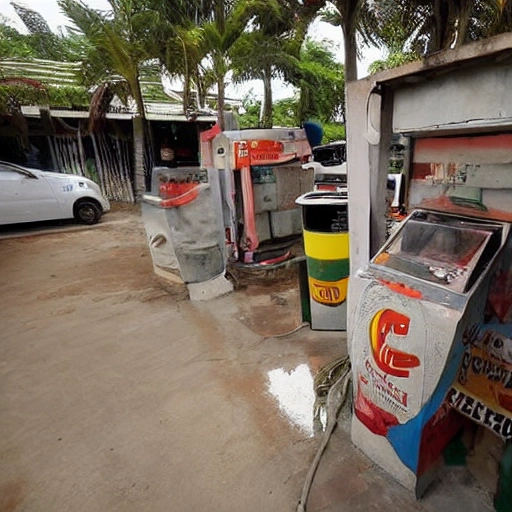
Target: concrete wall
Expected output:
[451,100]
[477,96]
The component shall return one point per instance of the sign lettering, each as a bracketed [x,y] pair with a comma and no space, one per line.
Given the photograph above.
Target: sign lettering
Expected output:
[386,388]
[479,412]
[483,366]
[328,293]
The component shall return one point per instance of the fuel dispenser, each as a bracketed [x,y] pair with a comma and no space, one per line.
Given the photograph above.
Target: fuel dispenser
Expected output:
[430,308]
[182,218]
[329,165]
[324,291]
[260,177]
[424,312]
[431,336]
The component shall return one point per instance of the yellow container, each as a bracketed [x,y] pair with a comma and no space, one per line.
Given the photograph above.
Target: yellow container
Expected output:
[326,244]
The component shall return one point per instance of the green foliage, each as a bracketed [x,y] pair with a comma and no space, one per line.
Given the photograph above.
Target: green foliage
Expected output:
[320,79]
[40,42]
[251,116]
[333,132]
[67,96]
[427,26]
[13,95]
[116,43]
[285,115]
[392,61]
[202,41]
[12,43]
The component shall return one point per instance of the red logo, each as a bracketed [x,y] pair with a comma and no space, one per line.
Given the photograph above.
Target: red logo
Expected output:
[391,360]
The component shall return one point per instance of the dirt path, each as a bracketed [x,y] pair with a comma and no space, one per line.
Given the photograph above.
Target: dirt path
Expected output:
[117,395]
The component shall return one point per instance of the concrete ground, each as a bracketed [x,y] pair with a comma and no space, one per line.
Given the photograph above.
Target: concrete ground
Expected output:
[118,395]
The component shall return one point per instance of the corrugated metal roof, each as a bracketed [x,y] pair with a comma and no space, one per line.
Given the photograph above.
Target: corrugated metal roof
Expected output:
[45,71]
[160,103]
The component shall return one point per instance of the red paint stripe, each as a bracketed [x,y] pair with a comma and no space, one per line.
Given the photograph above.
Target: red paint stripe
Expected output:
[486,142]
[273,261]
[402,289]
[445,204]
[420,171]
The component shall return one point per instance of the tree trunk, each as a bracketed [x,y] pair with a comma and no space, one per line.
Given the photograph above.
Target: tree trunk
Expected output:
[266,121]
[220,23]
[139,178]
[201,93]
[304,101]
[139,143]
[186,93]
[197,81]
[464,18]
[186,85]
[350,47]
[220,101]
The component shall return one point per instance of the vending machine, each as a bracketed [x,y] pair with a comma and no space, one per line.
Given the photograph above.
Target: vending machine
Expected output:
[260,177]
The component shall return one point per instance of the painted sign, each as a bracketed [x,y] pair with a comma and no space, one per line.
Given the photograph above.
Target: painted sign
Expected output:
[391,360]
[264,152]
[380,401]
[479,412]
[242,154]
[327,256]
[328,293]
[387,390]
[483,390]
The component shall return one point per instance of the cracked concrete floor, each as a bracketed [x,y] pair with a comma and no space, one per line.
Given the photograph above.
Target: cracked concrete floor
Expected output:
[116,395]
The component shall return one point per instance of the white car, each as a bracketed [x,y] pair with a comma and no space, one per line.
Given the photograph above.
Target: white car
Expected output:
[30,195]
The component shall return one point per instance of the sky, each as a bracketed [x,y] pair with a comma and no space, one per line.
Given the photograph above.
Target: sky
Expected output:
[319,31]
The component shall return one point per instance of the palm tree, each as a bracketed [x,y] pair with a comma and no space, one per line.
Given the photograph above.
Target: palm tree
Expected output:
[121,37]
[430,26]
[119,42]
[272,46]
[354,18]
[321,83]
[260,53]
[221,30]
[179,40]
[412,28]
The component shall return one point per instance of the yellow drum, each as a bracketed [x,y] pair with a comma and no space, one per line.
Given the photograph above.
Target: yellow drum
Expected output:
[326,243]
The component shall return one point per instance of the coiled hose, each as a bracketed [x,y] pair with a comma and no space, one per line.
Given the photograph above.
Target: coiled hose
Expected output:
[336,397]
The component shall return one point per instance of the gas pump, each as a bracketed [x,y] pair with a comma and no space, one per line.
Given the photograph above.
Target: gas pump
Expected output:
[424,309]
[329,165]
[431,339]
[430,308]
[260,177]
[182,218]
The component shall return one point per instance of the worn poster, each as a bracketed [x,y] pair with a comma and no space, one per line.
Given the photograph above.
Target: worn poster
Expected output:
[483,390]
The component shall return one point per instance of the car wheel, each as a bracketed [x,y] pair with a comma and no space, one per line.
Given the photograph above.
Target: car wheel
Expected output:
[87,212]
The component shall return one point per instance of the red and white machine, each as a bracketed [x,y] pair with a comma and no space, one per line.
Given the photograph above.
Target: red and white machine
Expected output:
[260,176]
